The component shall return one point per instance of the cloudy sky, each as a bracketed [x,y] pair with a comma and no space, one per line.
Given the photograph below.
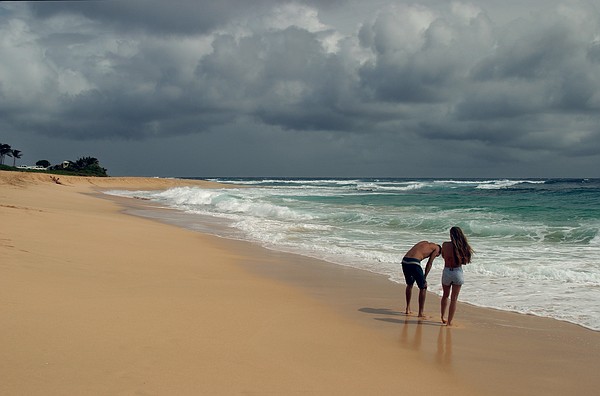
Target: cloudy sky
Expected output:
[305,88]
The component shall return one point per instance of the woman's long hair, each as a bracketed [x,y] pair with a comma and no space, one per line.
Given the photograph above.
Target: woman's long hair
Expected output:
[462,249]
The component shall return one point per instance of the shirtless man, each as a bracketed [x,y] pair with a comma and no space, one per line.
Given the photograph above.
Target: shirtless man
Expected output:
[413,272]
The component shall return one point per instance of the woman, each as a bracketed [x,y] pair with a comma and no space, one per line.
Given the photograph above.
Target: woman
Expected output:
[456,253]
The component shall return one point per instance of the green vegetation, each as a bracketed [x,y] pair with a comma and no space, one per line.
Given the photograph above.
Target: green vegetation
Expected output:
[84,166]
[7,168]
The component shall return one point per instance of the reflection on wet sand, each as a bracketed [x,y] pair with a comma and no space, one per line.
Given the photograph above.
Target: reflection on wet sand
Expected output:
[444,347]
[412,334]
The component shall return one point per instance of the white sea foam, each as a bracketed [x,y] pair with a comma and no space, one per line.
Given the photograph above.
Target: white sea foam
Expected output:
[498,184]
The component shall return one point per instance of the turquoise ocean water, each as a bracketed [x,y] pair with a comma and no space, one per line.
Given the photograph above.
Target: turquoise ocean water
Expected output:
[537,242]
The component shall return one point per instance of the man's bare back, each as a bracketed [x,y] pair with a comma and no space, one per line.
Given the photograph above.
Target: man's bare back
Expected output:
[422,250]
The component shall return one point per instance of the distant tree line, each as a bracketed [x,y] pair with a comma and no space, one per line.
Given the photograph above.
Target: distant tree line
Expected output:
[84,166]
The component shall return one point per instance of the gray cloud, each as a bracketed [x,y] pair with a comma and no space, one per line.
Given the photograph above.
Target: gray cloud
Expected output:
[181,17]
[164,17]
[376,91]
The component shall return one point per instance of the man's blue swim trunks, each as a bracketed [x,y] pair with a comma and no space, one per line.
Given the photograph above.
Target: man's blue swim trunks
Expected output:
[413,272]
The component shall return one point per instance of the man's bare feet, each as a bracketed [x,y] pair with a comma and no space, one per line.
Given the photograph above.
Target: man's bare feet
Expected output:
[408,311]
[443,320]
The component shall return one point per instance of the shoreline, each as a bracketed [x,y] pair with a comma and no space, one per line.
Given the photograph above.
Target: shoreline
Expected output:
[278,322]
[196,222]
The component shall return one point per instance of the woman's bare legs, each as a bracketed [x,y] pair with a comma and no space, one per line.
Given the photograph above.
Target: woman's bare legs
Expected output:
[445,301]
[453,300]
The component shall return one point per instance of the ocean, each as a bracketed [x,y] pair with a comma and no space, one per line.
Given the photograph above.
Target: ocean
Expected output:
[536,242]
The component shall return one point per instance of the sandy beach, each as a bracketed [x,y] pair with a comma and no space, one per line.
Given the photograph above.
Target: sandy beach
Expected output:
[97,301]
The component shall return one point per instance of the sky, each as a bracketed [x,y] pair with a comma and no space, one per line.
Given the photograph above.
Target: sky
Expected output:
[310,88]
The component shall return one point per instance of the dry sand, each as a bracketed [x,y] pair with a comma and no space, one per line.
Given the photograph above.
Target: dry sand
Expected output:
[96,302]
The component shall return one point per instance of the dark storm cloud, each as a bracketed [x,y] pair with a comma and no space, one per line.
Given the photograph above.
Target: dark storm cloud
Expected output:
[283,78]
[187,16]
[434,74]
[176,17]
[413,62]
[554,62]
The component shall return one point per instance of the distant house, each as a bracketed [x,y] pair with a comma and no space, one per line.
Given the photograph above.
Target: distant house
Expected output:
[66,164]
[35,167]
